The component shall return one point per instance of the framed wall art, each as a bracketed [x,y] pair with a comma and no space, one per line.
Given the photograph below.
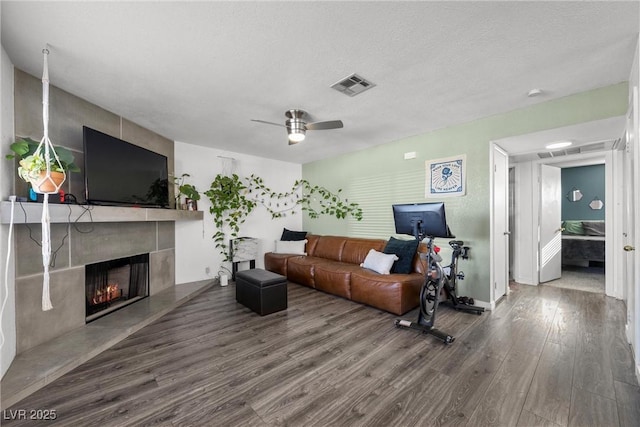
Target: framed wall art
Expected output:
[446,177]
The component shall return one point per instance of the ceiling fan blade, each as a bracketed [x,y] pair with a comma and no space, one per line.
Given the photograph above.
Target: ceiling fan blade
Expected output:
[331,124]
[268,123]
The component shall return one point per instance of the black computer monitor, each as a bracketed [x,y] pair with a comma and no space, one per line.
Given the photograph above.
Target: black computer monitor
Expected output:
[421,220]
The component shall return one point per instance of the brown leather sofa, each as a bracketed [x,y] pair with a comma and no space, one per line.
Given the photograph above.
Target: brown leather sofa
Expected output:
[332,265]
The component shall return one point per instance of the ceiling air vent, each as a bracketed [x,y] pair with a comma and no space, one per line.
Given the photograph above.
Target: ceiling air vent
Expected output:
[586,148]
[599,146]
[558,153]
[353,85]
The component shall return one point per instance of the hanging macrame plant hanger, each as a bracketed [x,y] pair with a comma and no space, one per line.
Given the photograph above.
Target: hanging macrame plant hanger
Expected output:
[47,182]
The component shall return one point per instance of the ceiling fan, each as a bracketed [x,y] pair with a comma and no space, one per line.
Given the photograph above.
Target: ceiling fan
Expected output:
[297,127]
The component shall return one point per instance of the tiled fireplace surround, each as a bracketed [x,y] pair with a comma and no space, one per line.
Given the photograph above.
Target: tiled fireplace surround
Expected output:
[106,241]
[86,242]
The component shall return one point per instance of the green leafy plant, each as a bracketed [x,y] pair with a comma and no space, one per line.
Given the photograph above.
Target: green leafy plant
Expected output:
[32,163]
[313,199]
[233,198]
[189,191]
[229,207]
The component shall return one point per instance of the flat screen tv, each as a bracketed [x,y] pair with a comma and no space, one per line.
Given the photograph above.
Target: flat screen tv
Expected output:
[122,174]
[421,220]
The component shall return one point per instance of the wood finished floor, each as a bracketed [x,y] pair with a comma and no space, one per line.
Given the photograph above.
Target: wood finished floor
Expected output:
[545,356]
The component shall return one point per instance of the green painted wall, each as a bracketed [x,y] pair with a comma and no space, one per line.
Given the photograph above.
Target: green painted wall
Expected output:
[378,177]
[590,180]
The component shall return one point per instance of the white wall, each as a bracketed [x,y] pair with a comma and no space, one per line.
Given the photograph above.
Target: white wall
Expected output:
[8,319]
[195,249]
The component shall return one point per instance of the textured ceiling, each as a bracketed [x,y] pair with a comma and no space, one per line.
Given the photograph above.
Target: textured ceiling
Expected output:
[197,72]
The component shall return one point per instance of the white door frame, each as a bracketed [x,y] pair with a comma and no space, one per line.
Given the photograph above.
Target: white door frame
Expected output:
[609,203]
[528,230]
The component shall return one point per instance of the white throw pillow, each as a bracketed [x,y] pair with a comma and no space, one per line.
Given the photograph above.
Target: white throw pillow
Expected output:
[291,247]
[379,262]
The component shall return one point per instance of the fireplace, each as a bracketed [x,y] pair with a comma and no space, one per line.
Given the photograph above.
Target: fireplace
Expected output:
[114,284]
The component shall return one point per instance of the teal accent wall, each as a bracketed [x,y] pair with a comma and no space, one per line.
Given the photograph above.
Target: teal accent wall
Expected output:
[590,180]
[378,177]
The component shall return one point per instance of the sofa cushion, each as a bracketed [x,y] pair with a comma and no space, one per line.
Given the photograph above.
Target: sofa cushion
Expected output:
[289,235]
[379,262]
[355,250]
[277,263]
[301,269]
[330,247]
[312,242]
[395,293]
[405,250]
[334,277]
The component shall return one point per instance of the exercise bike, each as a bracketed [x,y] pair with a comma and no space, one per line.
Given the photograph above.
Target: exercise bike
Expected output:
[435,279]
[428,219]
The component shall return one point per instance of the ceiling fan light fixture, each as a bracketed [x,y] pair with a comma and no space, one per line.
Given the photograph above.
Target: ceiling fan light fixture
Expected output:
[297,127]
[295,137]
[296,130]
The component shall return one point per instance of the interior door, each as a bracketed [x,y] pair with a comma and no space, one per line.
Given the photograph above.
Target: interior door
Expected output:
[550,234]
[500,257]
[629,232]
[631,257]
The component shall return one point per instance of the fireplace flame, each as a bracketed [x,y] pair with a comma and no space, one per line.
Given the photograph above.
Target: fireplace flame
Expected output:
[109,293]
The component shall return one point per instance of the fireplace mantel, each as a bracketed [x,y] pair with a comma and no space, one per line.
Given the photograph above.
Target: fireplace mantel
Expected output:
[65,213]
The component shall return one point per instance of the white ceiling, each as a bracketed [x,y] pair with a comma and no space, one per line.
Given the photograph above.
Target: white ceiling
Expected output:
[197,72]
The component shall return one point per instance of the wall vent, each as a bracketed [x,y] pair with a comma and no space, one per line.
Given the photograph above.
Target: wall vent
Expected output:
[353,85]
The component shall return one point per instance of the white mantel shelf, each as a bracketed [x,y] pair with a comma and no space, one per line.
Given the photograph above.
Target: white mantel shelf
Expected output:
[65,213]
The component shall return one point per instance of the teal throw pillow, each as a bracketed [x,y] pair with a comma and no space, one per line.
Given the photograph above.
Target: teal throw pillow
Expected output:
[288,235]
[405,250]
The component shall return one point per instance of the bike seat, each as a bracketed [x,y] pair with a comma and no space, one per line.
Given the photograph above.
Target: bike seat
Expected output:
[454,243]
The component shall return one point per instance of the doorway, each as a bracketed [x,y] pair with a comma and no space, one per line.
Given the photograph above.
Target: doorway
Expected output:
[593,142]
[580,193]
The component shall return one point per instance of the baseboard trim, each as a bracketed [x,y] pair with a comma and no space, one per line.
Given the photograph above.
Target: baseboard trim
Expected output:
[486,305]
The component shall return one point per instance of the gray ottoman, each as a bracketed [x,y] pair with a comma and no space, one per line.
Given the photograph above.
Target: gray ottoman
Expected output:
[262,291]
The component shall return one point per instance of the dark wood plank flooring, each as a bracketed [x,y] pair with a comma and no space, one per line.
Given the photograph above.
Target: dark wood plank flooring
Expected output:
[545,356]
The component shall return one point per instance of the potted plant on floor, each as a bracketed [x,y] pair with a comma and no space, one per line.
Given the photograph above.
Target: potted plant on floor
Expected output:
[230,207]
[33,166]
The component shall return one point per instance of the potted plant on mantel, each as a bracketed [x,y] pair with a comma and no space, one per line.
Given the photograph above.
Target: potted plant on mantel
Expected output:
[33,165]
[188,191]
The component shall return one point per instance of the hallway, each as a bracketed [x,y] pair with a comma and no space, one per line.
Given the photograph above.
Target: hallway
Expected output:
[588,279]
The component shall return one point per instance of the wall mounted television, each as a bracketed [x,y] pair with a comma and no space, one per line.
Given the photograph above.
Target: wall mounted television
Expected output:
[421,220]
[118,173]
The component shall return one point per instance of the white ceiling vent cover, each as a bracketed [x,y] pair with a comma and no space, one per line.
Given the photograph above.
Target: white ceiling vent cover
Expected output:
[586,148]
[353,85]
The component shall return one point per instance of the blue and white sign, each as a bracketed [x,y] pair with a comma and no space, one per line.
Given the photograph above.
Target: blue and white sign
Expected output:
[446,177]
